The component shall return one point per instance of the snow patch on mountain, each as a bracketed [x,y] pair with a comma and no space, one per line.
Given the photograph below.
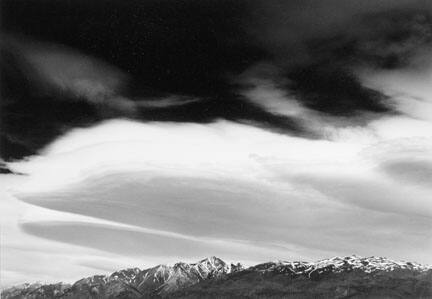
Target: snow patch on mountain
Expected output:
[340,264]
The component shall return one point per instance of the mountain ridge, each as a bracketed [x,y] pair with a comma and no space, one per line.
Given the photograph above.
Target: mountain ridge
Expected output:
[212,277]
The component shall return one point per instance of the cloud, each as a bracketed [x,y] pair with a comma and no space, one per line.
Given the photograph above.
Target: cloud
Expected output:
[277,223]
[305,32]
[417,172]
[135,243]
[227,181]
[222,147]
[369,194]
[410,88]
[61,88]
[164,103]
[174,204]
[70,71]
[133,61]
[317,48]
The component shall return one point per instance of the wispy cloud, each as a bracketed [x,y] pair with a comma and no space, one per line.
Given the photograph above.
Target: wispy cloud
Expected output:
[225,182]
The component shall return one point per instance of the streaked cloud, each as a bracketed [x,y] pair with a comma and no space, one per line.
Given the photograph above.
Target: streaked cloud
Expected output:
[304,198]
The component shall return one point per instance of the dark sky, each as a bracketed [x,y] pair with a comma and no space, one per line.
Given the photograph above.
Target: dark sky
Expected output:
[198,50]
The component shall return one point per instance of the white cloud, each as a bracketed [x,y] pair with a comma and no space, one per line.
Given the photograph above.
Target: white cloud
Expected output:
[221,149]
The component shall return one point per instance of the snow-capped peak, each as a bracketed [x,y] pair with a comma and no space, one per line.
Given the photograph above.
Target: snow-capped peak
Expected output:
[369,264]
[340,264]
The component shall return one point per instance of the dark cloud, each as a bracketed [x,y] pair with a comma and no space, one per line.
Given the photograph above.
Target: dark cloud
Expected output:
[196,50]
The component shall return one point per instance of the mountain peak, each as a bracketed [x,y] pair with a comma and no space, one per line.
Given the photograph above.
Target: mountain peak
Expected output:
[212,259]
[212,262]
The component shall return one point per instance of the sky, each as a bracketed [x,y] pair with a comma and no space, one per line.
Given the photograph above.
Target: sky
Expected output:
[163,131]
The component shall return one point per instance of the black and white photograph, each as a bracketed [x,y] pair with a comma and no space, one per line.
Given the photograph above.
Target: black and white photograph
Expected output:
[216,149]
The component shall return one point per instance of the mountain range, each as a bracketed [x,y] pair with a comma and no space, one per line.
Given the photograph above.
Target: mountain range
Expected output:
[338,277]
